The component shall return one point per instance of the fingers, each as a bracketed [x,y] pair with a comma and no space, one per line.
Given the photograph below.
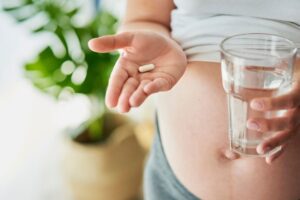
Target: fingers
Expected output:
[273,156]
[275,124]
[122,70]
[157,85]
[139,96]
[147,88]
[136,97]
[287,101]
[115,85]
[133,93]
[128,89]
[285,127]
[278,139]
[119,93]
[111,42]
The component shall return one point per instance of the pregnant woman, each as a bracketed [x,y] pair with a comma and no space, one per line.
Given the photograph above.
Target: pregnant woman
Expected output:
[190,158]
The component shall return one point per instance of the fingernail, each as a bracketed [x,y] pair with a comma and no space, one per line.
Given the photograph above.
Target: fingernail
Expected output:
[90,43]
[258,105]
[262,151]
[130,49]
[252,125]
[269,160]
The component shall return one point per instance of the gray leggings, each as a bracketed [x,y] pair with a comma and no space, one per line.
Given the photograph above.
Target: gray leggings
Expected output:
[160,183]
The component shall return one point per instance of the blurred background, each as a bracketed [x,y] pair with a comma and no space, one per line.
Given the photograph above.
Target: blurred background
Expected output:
[57,139]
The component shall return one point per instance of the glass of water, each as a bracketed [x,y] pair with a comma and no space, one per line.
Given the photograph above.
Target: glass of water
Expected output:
[254,65]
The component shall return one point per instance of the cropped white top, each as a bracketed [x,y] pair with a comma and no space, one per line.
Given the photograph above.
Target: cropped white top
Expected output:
[200,25]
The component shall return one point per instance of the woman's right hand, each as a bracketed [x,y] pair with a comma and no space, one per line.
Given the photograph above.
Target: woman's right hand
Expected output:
[128,87]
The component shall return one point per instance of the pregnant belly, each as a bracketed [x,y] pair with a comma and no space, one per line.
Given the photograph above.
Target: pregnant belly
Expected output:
[193,124]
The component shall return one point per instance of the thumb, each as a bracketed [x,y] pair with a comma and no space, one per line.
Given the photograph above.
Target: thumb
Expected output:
[111,42]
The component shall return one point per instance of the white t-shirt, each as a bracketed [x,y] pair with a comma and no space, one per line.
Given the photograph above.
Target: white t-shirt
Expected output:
[200,25]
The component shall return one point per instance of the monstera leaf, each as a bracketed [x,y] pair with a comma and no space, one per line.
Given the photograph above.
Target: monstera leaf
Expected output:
[75,68]
[80,72]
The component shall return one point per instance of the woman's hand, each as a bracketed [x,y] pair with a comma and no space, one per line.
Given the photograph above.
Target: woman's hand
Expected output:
[127,86]
[286,126]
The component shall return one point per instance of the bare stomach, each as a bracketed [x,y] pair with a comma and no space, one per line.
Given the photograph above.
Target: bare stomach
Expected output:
[193,124]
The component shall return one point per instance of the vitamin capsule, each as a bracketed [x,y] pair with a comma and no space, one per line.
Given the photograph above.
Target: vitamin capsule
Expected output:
[146,68]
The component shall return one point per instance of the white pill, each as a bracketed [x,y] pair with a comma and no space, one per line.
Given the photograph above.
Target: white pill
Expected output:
[146,68]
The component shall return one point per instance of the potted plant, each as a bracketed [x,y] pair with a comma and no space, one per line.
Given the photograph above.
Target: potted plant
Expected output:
[103,157]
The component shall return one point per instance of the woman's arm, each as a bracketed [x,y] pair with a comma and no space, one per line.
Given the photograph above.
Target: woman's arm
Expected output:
[144,39]
[152,15]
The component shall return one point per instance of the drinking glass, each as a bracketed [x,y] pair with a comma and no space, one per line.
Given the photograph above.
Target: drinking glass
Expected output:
[254,65]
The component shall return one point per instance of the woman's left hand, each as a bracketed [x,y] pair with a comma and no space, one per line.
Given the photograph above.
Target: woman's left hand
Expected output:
[286,126]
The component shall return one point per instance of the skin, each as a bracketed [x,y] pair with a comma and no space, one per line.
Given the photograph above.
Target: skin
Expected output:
[211,170]
[196,144]
[127,86]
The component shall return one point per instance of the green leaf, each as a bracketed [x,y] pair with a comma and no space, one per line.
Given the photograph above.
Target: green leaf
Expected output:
[40,29]
[42,71]
[10,9]
[17,6]
[49,27]
[22,13]
[45,71]
[73,12]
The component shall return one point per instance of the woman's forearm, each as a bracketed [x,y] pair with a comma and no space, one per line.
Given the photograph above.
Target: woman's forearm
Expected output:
[148,15]
[145,26]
